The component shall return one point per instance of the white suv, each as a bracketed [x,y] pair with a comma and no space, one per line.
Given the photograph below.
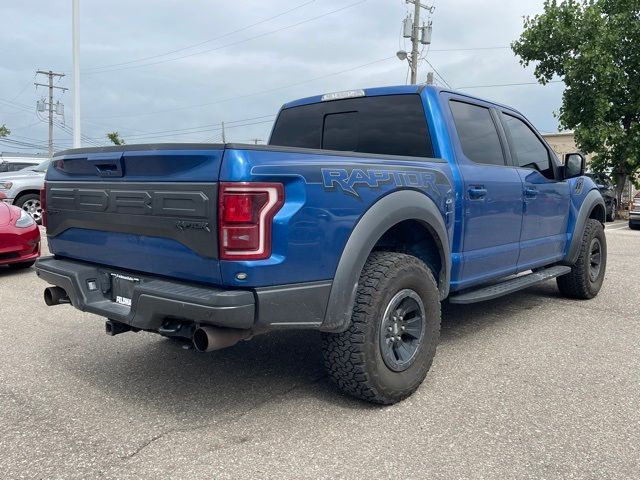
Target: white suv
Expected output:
[22,188]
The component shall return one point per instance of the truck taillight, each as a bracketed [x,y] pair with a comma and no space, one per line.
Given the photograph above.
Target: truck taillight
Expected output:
[43,204]
[245,215]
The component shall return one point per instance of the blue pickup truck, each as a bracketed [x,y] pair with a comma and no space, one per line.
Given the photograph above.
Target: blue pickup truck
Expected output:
[366,210]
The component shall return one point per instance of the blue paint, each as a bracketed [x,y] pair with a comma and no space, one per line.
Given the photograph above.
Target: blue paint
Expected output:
[326,194]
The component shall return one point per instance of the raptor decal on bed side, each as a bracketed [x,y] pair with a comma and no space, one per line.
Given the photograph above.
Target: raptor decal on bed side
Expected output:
[349,179]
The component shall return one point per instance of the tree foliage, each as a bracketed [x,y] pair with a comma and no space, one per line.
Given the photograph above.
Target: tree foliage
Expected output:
[594,46]
[114,137]
[4,131]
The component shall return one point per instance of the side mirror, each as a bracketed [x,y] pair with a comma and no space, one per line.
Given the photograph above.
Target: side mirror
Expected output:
[574,165]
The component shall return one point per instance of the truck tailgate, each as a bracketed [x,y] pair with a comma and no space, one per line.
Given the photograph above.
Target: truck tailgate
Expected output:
[144,208]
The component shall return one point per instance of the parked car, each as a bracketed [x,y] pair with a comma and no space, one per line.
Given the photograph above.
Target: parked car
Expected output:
[22,188]
[12,162]
[608,192]
[19,237]
[367,209]
[634,213]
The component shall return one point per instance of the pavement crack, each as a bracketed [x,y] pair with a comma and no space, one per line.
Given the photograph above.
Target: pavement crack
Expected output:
[146,444]
[232,421]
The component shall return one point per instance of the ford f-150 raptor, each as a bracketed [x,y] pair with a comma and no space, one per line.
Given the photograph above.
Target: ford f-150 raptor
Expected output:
[365,211]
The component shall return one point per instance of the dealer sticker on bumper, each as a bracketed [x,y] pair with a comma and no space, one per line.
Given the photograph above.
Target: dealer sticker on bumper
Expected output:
[122,288]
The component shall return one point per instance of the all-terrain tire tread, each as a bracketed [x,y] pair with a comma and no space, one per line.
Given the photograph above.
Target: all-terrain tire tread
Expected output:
[344,352]
[576,283]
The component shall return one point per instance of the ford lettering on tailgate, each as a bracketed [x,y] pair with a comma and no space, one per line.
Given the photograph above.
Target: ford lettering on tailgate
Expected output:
[130,202]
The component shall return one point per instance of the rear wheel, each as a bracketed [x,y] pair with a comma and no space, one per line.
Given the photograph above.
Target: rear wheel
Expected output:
[587,273]
[30,203]
[387,351]
[634,226]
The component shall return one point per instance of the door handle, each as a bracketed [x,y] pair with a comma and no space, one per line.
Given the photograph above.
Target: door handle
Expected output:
[477,193]
[530,192]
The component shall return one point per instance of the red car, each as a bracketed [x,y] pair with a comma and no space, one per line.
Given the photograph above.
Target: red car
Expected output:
[19,237]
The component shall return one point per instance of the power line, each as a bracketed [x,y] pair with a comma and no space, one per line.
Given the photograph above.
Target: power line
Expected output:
[261,92]
[16,105]
[189,129]
[233,43]
[437,73]
[68,130]
[468,49]
[505,85]
[24,88]
[204,130]
[188,47]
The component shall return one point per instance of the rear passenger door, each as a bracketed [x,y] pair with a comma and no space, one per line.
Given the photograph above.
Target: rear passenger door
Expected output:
[546,199]
[491,195]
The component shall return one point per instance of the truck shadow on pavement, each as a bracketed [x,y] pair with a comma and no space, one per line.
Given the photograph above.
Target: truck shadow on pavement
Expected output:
[160,375]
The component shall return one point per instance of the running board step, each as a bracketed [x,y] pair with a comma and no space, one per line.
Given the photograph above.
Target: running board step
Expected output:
[509,286]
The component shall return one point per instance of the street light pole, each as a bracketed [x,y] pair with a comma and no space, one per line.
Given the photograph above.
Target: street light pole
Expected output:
[76,74]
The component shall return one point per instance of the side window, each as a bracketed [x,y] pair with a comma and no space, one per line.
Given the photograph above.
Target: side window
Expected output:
[14,167]
[527,149]
[477,133]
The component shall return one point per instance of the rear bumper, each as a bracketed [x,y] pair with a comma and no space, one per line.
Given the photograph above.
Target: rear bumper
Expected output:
[153,301]
[157,301]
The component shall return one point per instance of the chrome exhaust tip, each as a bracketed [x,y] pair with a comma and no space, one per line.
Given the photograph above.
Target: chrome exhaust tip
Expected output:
[208,339]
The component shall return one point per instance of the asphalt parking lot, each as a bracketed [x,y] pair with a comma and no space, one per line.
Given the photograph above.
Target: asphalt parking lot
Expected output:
[527,386]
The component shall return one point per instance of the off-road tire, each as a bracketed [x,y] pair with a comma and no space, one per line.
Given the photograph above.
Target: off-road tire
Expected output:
[578,283]
[634,226]
[353,358]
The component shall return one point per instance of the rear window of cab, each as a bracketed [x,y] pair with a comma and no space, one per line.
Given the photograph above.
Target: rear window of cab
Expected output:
[386,125]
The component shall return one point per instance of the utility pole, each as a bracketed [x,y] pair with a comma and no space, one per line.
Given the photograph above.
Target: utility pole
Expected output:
[224,138]
[256,140]
[418,34]
[50,86]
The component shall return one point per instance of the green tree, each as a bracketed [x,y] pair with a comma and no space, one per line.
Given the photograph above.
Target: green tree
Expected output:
[594,46]
[4,131]
[115,138]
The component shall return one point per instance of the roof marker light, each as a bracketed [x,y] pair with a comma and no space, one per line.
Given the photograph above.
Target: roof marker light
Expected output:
[342,95]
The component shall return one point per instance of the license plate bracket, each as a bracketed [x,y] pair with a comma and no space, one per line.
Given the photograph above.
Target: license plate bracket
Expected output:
[122,287]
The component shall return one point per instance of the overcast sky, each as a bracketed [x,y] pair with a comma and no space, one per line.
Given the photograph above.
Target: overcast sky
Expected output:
[238,62]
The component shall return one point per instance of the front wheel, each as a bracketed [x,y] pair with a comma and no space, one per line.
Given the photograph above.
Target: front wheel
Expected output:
[587,273]
[387,351]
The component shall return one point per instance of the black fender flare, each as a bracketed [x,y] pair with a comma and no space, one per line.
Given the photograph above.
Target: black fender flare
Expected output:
[384,214]
[590,202]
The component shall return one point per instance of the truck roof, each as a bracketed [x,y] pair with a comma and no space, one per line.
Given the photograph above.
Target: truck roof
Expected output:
[394,90]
